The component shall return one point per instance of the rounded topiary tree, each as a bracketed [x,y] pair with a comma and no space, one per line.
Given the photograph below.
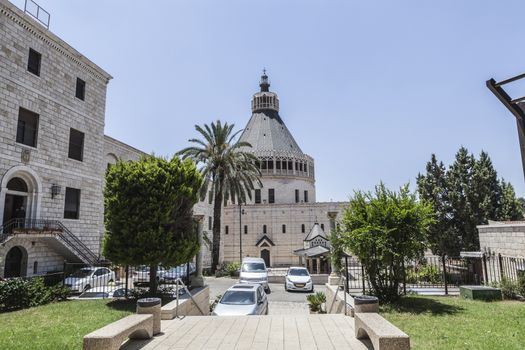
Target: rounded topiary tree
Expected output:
[383,230]
[148,213]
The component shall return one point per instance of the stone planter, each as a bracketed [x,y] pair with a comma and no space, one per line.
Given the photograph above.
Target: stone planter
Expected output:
[366,303]
[151,306]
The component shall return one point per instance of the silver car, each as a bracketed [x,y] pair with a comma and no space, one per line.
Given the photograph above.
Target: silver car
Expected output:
[253,270]
[298,278]
[89,277]
[241,300]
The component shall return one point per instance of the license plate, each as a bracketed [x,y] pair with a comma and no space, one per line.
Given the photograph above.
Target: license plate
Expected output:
[299,285]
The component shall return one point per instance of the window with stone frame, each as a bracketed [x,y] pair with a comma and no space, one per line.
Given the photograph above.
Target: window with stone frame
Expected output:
[76,144]
[210,223]
[306,196]
[33,62]
[264,229]
[284,228]
[296,196]
[302,228]
[245,229]
[271,195]
[72,203]
[27,128]
[226,230]
[80,91]
[257,196]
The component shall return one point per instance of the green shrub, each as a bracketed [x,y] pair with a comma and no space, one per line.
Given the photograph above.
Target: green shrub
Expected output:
[315,301]
[521,283]
[509,288]
[425,273]
[233,269]
[18,293]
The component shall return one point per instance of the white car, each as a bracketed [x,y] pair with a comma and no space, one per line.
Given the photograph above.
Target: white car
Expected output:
[170,275]
[103,293]
[253,270]
[89,277]
[242,300]
[141,274]
[298,278]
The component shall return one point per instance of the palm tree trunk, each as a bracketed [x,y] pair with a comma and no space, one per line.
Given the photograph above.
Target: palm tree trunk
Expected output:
[217,210]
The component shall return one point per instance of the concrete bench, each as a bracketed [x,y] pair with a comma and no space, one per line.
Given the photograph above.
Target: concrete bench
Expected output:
[383,334]
[114,334]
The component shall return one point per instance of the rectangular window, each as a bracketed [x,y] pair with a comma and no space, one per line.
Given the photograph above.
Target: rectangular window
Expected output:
[27,128]
[278,165]
[33,63]
[264,164]
[264,229]
[302,228]
[80,92]
[210,197]
[284,228]
[296,196]
[72,203]
[245,229]
[306,196]
[270,165]
[210,223]
[290,165]
[322,226]
[76,144]
[226,230]
[258,196]
[271,195]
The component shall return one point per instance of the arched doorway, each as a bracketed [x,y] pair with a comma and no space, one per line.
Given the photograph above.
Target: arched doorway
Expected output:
[15,262]
[15,205]
[265,254]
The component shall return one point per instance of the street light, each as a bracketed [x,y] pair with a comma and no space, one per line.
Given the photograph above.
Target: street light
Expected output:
[241,213]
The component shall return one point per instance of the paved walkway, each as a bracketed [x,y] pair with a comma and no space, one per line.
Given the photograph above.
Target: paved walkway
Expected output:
[274,332]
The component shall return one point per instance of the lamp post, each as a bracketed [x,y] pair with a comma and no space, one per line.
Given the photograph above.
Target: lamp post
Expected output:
[241,212]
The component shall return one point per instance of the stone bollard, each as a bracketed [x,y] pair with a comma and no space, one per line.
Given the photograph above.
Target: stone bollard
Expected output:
[366,303]
[151,306]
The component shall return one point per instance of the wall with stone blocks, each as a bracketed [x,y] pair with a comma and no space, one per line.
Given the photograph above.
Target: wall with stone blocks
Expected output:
[503,238]
[186,306]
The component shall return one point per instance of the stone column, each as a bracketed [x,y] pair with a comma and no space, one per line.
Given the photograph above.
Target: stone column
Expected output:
[333,279]
[198,280]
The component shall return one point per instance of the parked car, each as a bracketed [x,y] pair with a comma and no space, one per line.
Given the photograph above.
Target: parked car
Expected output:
[298,278]
[141,274]
[89,277]
[241,300]
[253,270]
[170,275]
[103,293]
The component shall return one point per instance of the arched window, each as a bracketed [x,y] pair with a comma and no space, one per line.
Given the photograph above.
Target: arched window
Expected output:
[17,184]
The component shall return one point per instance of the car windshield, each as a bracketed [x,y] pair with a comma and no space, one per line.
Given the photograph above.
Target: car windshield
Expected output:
[238,297]
[253,267]
[298,272]
[82,273]
[94,295]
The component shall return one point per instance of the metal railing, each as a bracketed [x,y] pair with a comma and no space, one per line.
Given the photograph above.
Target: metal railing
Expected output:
[46,226]
[37,12]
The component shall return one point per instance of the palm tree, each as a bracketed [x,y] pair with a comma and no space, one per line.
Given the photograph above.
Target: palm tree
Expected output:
[230,173]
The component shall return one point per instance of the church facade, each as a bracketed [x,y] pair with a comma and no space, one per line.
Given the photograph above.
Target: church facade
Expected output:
[277,221]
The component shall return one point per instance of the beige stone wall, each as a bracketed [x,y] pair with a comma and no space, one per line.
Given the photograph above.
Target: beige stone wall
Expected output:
[187,307]
[503,238]
[274,216]
[115,150]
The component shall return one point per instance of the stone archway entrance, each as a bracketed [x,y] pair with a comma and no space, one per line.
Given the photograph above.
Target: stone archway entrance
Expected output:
[265,255]
[15,205]
[15,262]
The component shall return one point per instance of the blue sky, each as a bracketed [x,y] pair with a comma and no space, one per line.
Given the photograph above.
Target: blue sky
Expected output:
[368,88]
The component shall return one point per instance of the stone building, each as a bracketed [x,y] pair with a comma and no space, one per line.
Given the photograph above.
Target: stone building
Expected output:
[506,238]
[53,151]
[276,221]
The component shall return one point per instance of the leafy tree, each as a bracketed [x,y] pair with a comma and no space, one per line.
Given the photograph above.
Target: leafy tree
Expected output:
[510,208]
[148,213]
[384,230]
[230,172]
[337,252]
[467,195]
[432,188]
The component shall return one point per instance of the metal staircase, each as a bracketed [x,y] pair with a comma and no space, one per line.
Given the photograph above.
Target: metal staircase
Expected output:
[47,227]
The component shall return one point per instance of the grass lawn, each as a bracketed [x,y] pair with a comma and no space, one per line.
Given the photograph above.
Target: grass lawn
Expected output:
[454,323]
[58,325]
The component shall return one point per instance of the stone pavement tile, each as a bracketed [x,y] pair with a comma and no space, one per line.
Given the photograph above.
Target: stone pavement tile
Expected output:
[248,334]
[233,334]
[216,338]
[306,338]
[276,336]
[321,338]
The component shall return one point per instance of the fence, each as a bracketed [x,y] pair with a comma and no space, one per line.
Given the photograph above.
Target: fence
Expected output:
[442,272]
